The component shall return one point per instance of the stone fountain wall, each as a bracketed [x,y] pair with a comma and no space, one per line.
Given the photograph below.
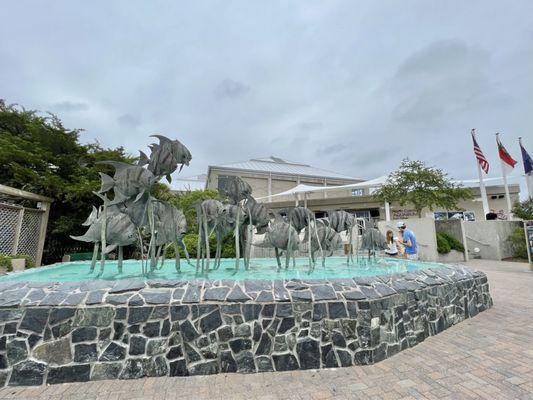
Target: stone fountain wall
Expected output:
[55,333]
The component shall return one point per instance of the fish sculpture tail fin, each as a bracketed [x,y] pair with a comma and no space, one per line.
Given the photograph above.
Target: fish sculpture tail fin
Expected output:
[107,182]
[82,238]
[93,216]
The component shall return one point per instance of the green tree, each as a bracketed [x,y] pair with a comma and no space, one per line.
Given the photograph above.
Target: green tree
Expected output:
[422,186]
[524,209]
[40,155]
[187,202]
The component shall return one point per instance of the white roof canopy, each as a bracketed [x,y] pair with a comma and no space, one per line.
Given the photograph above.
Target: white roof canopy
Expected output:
[373,183]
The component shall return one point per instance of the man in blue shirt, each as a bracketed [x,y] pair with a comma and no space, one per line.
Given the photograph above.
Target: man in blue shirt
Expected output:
[409,241]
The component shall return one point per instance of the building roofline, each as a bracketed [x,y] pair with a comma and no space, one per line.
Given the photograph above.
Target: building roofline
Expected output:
[262,172]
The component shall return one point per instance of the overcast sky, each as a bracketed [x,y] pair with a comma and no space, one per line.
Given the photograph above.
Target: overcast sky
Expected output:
[350,86]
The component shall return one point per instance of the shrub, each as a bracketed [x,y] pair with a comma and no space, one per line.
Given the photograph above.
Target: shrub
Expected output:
[191,241]
[454,243]
[517,241]
[443,247]
[5,261]
[524,209]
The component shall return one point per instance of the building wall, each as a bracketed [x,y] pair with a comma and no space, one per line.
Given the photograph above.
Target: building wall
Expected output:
[280,183]
[398,211]
[344,200]
[490,237]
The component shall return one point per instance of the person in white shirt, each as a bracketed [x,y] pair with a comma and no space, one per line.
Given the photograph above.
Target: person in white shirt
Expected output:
[392,247]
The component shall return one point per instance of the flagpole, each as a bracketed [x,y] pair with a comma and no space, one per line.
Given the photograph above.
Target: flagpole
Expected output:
[483,192]
[481,183]
[506,187]
[529,189]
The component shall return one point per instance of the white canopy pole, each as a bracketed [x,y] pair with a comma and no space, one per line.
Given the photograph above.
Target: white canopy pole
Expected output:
[387,211]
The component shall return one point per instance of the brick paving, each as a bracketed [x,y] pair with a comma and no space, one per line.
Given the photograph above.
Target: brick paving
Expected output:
[487,357]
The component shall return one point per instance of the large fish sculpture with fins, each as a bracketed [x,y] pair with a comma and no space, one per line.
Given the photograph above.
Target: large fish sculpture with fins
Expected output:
[165,157]
[130,181]
[120,230]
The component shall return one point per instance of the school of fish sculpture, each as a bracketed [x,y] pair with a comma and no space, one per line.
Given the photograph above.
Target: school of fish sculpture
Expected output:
[170,227]
[372,241]
[130,215]
[119,232]
[342,221]
[325,239]
[129,209]
[281,236]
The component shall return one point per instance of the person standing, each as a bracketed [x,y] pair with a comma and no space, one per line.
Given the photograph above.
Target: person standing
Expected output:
[409,241]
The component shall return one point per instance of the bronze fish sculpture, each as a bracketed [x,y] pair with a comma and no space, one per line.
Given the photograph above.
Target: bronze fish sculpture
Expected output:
[165,157]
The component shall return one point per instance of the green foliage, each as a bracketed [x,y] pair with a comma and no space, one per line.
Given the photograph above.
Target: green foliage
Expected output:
[454,243]
[421,186]
[5,261]
[517,239]
[162,192]
[191,241]
[228,247]
[446,243]
[524,209]
[187,202]
[40,155]
[443,247]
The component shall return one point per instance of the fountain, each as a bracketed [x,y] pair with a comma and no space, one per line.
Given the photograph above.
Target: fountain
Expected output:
[154,317]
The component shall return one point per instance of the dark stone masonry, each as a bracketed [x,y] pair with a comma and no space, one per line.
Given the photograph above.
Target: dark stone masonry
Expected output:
[66,332]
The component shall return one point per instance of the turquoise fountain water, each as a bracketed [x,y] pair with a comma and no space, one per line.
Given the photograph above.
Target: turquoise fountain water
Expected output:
[260,268]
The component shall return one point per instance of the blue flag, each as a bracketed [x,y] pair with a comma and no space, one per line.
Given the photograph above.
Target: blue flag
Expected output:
[528,169]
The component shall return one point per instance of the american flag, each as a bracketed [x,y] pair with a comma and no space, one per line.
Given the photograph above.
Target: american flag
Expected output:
[483,163]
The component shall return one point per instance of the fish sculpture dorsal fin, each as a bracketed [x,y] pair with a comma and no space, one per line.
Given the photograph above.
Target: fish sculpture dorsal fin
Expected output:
[162,139]
[107,182]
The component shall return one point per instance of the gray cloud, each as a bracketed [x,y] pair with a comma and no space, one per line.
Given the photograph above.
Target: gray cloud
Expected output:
[309,126]
[230,89]
[347,87]
[129,120]
[440,79]
[70,106]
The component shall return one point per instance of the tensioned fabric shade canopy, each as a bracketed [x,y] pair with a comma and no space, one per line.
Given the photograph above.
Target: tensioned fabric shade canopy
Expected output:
[372,183]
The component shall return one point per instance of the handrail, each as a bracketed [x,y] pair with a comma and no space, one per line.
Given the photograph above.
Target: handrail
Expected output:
[477,241]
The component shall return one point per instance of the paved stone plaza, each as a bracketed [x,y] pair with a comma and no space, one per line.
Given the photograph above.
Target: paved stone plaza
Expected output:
[489,356]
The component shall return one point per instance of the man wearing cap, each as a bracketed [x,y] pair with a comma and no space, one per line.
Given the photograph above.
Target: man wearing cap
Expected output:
[409,241]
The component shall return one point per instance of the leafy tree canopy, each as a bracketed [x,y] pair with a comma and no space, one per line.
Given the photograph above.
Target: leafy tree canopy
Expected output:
[524,209]
[38,154]
[187,202]
[422,186]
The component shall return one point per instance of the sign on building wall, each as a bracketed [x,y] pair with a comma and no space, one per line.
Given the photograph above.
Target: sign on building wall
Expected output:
[404,214]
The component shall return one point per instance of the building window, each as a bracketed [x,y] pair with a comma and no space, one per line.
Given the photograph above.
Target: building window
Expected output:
[358,192]
[451,215]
